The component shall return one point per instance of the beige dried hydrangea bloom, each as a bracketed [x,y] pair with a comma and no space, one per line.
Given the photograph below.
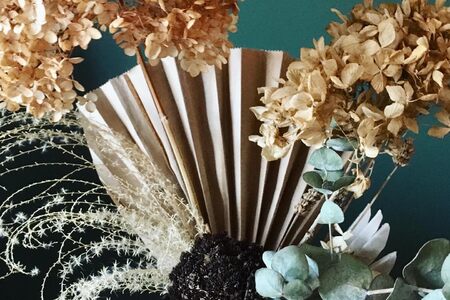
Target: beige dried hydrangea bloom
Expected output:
[194,31]
[36,70]
[38,36]
[385,67]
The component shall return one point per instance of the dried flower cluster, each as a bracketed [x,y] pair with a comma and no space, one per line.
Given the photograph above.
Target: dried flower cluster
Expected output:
[37,37]
[145,230]
[384,68]
[194,31]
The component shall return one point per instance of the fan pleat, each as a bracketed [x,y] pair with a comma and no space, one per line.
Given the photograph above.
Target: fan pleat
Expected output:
[209,116]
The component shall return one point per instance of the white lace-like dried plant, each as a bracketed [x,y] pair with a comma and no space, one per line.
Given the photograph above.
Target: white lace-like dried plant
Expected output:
[146,230]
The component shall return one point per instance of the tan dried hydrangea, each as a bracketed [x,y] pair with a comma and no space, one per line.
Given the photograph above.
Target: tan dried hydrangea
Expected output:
[194,31]
[385,66]
[37,37]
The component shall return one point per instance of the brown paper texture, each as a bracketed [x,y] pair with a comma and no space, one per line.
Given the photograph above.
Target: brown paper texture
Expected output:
[238,191]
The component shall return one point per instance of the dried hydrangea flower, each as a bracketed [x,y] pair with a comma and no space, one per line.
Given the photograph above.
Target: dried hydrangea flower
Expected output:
[37,37]
[384,68]
[194,31]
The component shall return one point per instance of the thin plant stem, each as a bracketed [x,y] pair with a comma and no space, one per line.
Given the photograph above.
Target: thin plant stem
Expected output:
[390,290]
[385,182]
[380,190]
[330,233]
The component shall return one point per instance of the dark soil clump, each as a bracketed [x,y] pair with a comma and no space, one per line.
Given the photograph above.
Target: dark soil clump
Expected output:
[217,268]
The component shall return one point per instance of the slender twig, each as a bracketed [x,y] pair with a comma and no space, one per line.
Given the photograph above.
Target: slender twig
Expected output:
[385,182]
[330,233]
[388,291]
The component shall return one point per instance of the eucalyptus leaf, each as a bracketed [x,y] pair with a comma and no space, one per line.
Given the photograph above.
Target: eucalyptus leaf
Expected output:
[346,279]
[425,269]
[269,283]
[343,182]
[330,213]
[320,256]
[291,263]
[296,290]
[313,276]
[313,178]
[326,185]
[445,270]
[324,191]
[381,282]
[434,295]
[446,291]
[326,159]
[331,176]
[342,144]
[267,258]
[403,291]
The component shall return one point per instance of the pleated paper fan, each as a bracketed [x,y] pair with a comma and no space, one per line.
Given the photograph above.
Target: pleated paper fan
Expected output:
[198,128]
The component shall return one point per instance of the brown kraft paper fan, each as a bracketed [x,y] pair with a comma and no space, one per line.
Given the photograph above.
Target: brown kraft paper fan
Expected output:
[197,129]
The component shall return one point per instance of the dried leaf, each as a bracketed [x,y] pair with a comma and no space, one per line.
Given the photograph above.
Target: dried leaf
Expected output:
[438,132]
[429,97]
[444,117]
[394,110]
[418,52]
[406,7]
[372,112]
[397,94]
[411,124]
[378,83]
[330,67]
[437,77]
[395,125]
[351,73]
[386,35]
[370,47]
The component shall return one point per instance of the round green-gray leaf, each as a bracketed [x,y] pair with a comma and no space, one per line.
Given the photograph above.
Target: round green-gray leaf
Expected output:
[320,256]
[446,291]
[345,279]
[331,176]
[269,283]
[296,290]
[342,144]
[313,275]
[403,291]
[326,159]
[330,213]
[445,270]
[381,282]
[434,295]
[267,258]
[343,182]
[291,263]
[313,179]
[425,269]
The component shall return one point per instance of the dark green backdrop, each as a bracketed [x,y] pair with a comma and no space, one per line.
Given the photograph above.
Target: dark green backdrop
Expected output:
[416,202]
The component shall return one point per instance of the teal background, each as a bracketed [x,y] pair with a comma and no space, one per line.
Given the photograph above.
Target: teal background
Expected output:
[415,202]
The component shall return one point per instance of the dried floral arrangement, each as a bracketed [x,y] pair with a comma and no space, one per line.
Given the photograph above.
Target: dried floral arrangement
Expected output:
[77,218]
[156,249]
[385,67]
[38,36]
